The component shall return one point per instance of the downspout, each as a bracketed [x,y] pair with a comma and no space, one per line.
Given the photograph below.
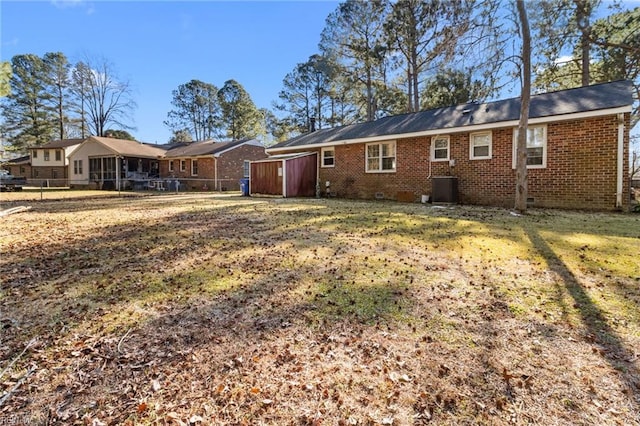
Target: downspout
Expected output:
[430,157]
[620,165]
[318,160]
[215,173]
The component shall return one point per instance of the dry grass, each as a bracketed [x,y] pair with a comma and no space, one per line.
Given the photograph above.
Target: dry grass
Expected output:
[198,309]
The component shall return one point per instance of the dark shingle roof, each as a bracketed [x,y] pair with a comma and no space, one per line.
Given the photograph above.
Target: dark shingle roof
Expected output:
[19,160]
[583,99]
[208,147]
[61,143]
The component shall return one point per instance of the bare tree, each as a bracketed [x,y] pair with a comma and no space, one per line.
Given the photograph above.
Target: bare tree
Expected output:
[521,152]
[107,101]
[80,76]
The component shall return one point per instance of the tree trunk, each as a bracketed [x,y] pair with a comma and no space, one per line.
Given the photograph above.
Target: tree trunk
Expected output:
[415,74]
[369,95]
[409,90]
[521,151]
[83,120]
[583,10]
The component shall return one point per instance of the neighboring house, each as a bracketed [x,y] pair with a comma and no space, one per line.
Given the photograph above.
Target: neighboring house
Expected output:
[49,162]
[211,165]
[20,166]
[578,150]
[96,161]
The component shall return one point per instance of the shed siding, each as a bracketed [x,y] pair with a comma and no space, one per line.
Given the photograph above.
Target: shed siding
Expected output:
[265,178]
[301,176]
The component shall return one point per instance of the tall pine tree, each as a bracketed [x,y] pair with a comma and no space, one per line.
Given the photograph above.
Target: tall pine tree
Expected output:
[240,116]
[29,119]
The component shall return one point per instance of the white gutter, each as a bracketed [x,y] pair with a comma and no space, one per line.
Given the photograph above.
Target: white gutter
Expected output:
[474,128]
[620,165]
[318,164]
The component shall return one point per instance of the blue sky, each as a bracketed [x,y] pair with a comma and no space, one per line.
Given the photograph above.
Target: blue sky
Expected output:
[158,45]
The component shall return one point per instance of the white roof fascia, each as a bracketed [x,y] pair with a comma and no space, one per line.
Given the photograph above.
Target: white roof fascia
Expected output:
[474,128]
[72,150]
[281,157]
[187,157]
[86,141]
[253,142]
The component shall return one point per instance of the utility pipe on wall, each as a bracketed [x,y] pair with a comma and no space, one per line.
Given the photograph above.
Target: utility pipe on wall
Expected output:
[620,165]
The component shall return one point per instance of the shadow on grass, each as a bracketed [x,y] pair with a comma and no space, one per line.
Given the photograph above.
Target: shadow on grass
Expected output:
[598,329]
[245,295]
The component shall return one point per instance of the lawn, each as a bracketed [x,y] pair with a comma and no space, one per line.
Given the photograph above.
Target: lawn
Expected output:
[209,310]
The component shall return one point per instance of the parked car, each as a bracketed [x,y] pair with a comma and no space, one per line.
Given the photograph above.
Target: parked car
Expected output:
[8,182]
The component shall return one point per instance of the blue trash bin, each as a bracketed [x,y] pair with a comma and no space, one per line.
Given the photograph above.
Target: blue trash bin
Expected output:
[244,187]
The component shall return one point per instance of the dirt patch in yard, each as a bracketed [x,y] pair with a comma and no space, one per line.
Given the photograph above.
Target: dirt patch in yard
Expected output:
[193,309]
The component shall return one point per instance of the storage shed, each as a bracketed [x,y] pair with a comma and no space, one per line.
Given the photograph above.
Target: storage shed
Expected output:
[288,175]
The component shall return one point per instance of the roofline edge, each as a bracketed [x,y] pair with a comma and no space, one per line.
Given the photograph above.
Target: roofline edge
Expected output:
[473,128]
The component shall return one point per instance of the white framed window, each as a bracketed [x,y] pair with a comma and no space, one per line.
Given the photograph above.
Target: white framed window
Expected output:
[480,146]
[245,168]
[77,167]
[183,165]
[381,157]
[536,146]
[58,155]
[170,165]
[194,167]
[34,153]
[46,155]
[440,148]
[328,157]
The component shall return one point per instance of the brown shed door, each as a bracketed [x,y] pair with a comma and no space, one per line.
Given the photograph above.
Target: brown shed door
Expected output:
[265,178]
[302,176]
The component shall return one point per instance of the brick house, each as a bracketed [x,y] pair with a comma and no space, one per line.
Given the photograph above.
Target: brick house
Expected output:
[577,145]
[211,165]
[20,166]
[49,162]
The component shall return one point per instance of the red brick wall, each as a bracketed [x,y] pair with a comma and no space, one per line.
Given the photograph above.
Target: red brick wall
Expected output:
[43,175]
[23,170]
[230,169]
[47,172]
[231,164]
[580,172]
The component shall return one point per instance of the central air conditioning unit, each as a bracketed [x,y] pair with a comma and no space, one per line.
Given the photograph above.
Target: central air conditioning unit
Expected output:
[444,189]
